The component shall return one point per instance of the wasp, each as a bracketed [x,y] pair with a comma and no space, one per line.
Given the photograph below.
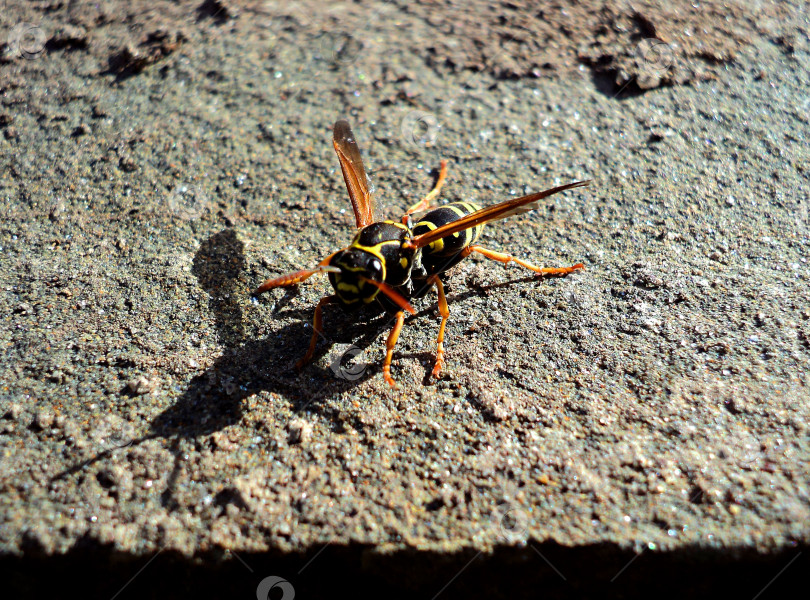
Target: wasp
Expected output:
[393,261]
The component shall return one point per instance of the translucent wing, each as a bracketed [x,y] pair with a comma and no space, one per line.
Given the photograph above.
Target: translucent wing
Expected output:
[351,163]
[491,213]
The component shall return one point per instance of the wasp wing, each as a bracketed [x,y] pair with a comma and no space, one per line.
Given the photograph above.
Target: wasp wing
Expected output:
[351,163]
[488,214]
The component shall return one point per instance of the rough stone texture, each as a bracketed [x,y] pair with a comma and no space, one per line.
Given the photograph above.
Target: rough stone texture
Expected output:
[600,434]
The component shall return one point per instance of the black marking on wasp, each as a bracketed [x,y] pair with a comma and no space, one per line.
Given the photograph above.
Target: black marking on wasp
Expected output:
[392,261]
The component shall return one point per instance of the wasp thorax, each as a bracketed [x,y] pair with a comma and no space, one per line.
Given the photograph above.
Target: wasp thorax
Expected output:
[356,265]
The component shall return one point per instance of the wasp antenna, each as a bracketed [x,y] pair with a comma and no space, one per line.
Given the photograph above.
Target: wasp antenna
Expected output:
[394,295]
[294,278]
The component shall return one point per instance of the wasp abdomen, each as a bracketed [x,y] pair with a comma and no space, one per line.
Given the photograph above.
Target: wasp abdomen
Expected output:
[445,253]
[452,244]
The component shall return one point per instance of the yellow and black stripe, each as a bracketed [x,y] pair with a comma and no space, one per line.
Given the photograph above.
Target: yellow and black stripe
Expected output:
[446,252]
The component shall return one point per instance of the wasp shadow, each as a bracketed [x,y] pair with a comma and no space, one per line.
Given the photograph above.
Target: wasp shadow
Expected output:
[214,399]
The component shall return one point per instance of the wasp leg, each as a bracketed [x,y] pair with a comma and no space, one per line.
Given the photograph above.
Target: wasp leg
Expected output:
[389,347]
[424,203]
[317,326]
[445,312]
[506,258]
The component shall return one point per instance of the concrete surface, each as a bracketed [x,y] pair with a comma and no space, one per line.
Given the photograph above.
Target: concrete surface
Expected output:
[636,428]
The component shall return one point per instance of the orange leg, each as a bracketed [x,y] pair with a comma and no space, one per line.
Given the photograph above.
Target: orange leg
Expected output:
[445,312]
[506,258]
[317,326]
[424,203]
[389,347]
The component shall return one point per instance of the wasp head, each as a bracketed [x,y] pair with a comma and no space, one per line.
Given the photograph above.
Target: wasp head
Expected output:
[356,268]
